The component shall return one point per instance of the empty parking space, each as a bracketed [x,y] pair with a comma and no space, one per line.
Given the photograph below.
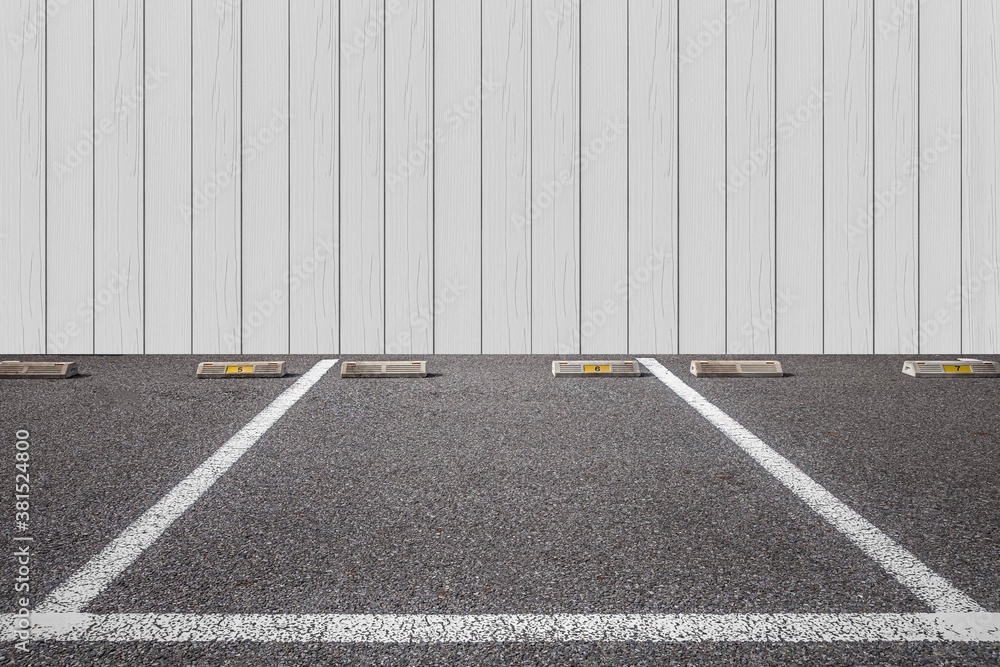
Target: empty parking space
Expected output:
[477,491]
[108,444]
[919,458]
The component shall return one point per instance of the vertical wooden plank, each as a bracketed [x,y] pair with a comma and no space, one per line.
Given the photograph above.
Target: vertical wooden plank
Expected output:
[22,178]
[980,174]
[652,177]
[362,109]
[849,213]
[265,118]
[409,188]
[604,177]
[702,166]
[216,179]
[118,177]
[69,145]
[167,111]
[940,176]
[800,111]
[555,177]
[314,300]
[458,95]
[749,185]
[896,184]
[507,177]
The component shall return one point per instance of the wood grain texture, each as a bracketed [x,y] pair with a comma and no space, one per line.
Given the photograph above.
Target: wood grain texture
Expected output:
[22,178]
[458,95]
[896,182]
[167,177]
[749,185]
[555,177]
[980,175]
[507,177]
[362,160]
[604,108]
[119,208]
[69,146]
[652,177]
[409,188]
[216,179]
[314,282]
[800,99]
[849,212]
[940,177]
[701,169]
[265,176]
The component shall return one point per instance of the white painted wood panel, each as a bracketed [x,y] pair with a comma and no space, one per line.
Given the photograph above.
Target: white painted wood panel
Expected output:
[749,183]
[652,177]
[800,100]
[217,161]
[119,220]
[265,176]
[555,177]
[507,177]
[849,216]
[69,147]
[362,160]
[458,95]
[314,141]
[22,178]
[980,175]
[701,169]
[167,177]
[604,184]
[896,182]
[940,176]
[409,186]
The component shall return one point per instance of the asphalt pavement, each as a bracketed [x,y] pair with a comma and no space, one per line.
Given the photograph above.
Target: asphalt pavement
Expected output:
[493,488]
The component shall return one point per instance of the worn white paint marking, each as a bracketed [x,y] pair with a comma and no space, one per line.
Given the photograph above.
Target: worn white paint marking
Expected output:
[405,629]
[897,561]
[88,582]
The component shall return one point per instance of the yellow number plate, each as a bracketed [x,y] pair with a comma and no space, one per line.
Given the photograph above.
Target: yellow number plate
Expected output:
[958,369]
[238,369]
[596,369]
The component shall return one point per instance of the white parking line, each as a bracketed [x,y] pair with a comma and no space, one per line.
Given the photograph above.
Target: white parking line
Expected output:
[87,583]
[508,628]
[933,589]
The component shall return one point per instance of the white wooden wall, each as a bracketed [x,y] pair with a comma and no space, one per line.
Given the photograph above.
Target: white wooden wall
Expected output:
[499,176]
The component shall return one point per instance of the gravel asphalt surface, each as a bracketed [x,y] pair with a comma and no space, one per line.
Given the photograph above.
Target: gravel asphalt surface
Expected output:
[493,488]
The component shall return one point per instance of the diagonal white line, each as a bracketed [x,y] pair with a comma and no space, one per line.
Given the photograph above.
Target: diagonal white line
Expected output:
[933,589]
[507,628]
[87,583]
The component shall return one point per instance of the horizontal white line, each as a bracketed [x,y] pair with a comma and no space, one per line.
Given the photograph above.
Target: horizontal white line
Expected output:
[897,561]
[87,583]
[508,628]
